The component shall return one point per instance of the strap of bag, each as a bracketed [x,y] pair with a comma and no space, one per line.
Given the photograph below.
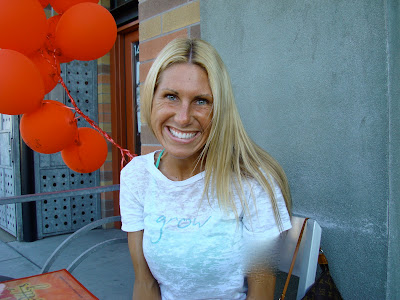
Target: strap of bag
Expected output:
[322,261]
[293,260]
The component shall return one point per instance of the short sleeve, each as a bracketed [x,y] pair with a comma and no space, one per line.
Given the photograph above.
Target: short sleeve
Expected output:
[260,230]
[260,221]
[131,208]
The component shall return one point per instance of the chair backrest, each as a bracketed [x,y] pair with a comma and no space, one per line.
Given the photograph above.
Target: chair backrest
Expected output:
[307,257]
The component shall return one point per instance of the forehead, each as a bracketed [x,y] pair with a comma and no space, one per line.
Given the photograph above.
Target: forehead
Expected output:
[186,75]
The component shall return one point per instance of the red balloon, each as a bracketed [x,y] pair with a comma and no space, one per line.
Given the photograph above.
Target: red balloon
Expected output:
[23,25]
[21,85]
[51,31]
[61,6]
[49,68]
[51,26]
[88,153]
[44,3]
[50,43]
[86,31]
[49,129]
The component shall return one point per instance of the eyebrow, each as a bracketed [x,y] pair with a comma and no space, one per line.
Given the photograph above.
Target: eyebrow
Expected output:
[177,93]
[171,90]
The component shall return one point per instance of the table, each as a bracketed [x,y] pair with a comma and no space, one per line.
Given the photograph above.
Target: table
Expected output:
[57,285]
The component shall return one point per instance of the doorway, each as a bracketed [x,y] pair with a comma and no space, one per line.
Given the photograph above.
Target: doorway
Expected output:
[125,97]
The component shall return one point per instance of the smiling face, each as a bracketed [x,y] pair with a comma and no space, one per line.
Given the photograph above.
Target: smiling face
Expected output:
[182,110]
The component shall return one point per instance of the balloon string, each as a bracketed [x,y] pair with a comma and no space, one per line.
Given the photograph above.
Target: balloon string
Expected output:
[124,152]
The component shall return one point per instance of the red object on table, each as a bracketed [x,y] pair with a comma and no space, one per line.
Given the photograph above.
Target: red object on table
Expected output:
[57,285]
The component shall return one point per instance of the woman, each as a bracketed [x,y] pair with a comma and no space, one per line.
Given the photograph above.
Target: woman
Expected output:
[201,213]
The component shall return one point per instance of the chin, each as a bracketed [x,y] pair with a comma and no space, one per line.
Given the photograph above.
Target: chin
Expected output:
[183,154]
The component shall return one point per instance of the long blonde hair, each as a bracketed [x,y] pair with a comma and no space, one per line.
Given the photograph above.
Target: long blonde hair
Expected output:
[229,156]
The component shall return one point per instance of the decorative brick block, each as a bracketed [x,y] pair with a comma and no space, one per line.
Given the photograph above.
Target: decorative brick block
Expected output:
[104,107]
[144,69]
[103,78]
[150,28]
[149,149]
[104,88]
[194,31]
[105,3]
[181,17]
[150,8]
[150,49]
[103,98]
[104,117]
[109,156]
[106,127]
[104,60]
[147,137]
[103,69]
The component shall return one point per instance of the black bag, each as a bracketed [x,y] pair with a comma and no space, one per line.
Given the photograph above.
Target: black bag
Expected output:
[324,287]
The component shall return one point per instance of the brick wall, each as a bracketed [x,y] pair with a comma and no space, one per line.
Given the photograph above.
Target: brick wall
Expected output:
[104,113]
[160,22]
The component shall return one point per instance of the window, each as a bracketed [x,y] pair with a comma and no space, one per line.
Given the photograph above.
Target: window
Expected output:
[117,3]
[124,11]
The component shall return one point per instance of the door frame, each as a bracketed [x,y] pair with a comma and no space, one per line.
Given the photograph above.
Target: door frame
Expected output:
[123,111]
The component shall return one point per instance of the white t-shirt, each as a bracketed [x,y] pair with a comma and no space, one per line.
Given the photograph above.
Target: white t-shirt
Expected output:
[193,249]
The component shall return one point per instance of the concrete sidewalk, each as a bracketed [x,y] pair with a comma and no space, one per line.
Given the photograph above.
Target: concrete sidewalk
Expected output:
[107,273]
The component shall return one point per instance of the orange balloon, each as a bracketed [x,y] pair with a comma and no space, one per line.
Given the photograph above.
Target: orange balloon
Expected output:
[88,153]
[86,31]
[50,43]
[61,6]
[23,25]
[49,68]
[44,3]
[51,32]
[49,129]
[21,85]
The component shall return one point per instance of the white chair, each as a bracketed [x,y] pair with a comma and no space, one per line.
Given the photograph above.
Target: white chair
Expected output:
[307,258]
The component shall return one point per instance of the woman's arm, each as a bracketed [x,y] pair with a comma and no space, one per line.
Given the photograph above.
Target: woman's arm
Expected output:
[145,286]
[261,285]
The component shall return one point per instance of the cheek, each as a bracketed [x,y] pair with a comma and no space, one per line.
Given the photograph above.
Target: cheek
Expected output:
[152,119]
[206,119]
[206,125]
[156,113]
[155,123]
[160,114]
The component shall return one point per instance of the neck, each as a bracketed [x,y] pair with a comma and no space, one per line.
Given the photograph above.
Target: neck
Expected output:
[179,169]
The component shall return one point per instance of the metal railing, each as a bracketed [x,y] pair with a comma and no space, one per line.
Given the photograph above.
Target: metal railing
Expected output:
[68,193]
[80,232]
[84,230]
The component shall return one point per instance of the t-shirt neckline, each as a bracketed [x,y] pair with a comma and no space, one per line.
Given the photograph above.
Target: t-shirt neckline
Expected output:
[159,175]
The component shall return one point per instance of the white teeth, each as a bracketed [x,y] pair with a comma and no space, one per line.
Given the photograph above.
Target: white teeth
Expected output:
[182,135]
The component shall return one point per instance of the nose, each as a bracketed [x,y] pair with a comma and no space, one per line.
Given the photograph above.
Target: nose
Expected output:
[183,114]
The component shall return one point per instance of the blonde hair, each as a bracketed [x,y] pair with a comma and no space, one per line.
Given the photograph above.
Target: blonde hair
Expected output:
[229,156]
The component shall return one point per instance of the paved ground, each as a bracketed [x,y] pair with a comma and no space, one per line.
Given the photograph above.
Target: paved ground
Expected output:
[108,273]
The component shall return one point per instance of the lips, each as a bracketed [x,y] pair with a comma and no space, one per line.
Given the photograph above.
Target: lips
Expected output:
[182,135]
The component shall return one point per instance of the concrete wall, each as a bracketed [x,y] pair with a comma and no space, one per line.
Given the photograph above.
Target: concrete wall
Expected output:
[393,17]
[317,86]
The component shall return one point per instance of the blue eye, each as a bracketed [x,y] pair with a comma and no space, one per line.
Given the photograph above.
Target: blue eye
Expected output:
[202,101]
[171,97]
